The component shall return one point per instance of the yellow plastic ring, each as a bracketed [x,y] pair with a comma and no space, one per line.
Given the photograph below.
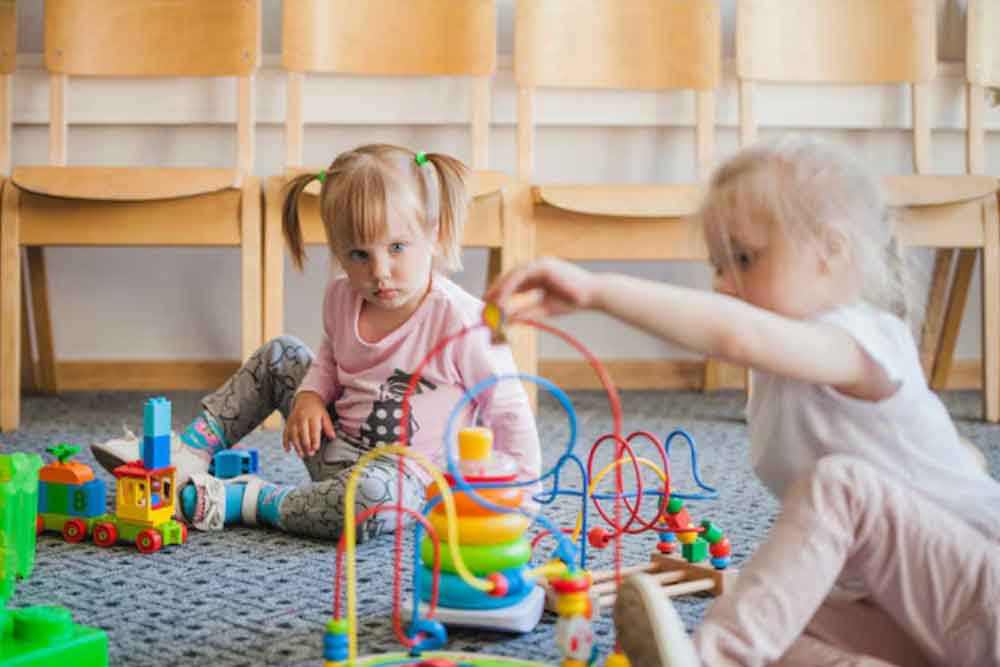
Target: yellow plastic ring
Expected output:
[497,529]
[465,505]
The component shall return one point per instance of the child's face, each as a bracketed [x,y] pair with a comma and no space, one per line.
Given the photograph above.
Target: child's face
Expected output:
[394,271]
[792,279]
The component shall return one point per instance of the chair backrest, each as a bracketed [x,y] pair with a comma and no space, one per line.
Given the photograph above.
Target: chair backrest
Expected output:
[151,38]
[839,41]
[390,38]
[8,58]
[639,45]
[982,69]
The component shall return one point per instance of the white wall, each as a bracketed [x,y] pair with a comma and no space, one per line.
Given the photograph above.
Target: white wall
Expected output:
[164,304]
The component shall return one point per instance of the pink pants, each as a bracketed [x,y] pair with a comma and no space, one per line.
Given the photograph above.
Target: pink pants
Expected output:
[932,582]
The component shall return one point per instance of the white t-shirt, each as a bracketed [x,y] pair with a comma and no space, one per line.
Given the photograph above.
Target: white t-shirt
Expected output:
[909,435]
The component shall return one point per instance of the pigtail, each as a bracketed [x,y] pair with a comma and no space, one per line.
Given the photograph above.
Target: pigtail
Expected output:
[452,205]
[290,224]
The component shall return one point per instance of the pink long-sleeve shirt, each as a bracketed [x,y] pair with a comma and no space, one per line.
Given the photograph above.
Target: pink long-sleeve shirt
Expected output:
[366,381]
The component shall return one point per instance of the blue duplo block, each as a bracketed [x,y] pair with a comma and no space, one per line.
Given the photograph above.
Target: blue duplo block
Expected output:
[88,499]
[156,417]
[231,463]
[156,452]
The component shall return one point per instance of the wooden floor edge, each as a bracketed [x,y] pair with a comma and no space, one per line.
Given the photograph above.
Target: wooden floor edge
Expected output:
[75,375]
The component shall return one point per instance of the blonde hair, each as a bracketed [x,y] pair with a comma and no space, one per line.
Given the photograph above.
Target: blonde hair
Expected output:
[809,192]
[363,186]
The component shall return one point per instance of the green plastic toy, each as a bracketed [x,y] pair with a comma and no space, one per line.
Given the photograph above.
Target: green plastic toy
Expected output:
[43,636]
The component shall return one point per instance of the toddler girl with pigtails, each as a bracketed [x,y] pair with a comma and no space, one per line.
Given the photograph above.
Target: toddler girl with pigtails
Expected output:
[394,222]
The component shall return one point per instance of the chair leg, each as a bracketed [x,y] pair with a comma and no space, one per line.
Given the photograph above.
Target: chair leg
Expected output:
[274,274]
[518,246]
[930,339]
[991,311]
[250,246]
[10,313]
[953,318]
[44,340]
[711,379]
[28,369]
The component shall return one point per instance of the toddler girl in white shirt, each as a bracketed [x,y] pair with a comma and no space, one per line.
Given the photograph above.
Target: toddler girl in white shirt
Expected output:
[887,549]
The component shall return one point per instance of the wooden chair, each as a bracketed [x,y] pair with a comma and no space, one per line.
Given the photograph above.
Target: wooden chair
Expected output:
[982,69]
[8,63]
[891,41]
[57,205]
[609,44]
[425,38]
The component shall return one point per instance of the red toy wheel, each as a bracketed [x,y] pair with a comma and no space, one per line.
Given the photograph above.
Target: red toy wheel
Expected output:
[39,525]
[105,534]
[74,530]
[149,541]
[184,534]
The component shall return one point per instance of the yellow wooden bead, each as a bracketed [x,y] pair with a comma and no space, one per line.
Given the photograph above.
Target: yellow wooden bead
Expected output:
[617,660]
[687,538]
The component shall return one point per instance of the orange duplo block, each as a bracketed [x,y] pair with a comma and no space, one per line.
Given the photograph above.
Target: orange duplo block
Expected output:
[66,473]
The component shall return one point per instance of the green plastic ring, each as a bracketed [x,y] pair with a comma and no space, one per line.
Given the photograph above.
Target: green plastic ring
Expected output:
[421,158]
[480,559]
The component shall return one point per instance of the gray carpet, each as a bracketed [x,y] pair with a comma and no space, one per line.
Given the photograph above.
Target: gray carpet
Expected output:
[257,597]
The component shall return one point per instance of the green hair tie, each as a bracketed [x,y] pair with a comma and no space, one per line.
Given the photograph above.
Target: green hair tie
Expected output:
[321,176]
[421,158]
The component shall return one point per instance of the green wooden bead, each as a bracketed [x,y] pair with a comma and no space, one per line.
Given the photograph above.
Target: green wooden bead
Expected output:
[712,532]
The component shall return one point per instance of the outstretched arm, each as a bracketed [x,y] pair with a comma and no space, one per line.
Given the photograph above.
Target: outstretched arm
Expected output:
[702,321]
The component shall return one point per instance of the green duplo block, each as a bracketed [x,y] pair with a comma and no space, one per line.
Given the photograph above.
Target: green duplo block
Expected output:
[48,637]
[18,509]
[695,552]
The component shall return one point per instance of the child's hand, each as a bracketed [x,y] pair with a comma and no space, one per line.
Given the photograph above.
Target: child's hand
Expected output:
[308,420]
[563,288]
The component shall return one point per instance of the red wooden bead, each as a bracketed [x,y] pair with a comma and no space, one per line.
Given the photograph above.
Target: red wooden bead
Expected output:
[598,537]
[722,548]
[665,547]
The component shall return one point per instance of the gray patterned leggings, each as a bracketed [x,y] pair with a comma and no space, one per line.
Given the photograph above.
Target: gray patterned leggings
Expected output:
[267,382]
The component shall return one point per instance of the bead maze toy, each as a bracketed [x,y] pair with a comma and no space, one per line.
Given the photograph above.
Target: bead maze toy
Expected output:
[43,636]
[73,502]
[689,571]
[477,509]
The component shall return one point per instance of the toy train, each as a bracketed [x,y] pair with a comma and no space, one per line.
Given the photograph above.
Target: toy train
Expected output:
[73,502]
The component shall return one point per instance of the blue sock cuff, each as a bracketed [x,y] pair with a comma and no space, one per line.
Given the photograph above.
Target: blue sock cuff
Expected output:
[204,433]
[234,503]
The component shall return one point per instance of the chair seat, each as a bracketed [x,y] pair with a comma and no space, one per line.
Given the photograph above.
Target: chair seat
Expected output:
[124,183]
[624,201]
[933,190]
[481,183]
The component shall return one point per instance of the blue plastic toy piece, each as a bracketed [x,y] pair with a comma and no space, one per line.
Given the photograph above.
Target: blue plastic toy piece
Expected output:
[231,463]
[156,451]
[87,499]
[156,417]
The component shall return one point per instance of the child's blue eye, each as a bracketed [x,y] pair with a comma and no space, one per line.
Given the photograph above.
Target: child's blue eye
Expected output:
[357,256]
[396,248]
